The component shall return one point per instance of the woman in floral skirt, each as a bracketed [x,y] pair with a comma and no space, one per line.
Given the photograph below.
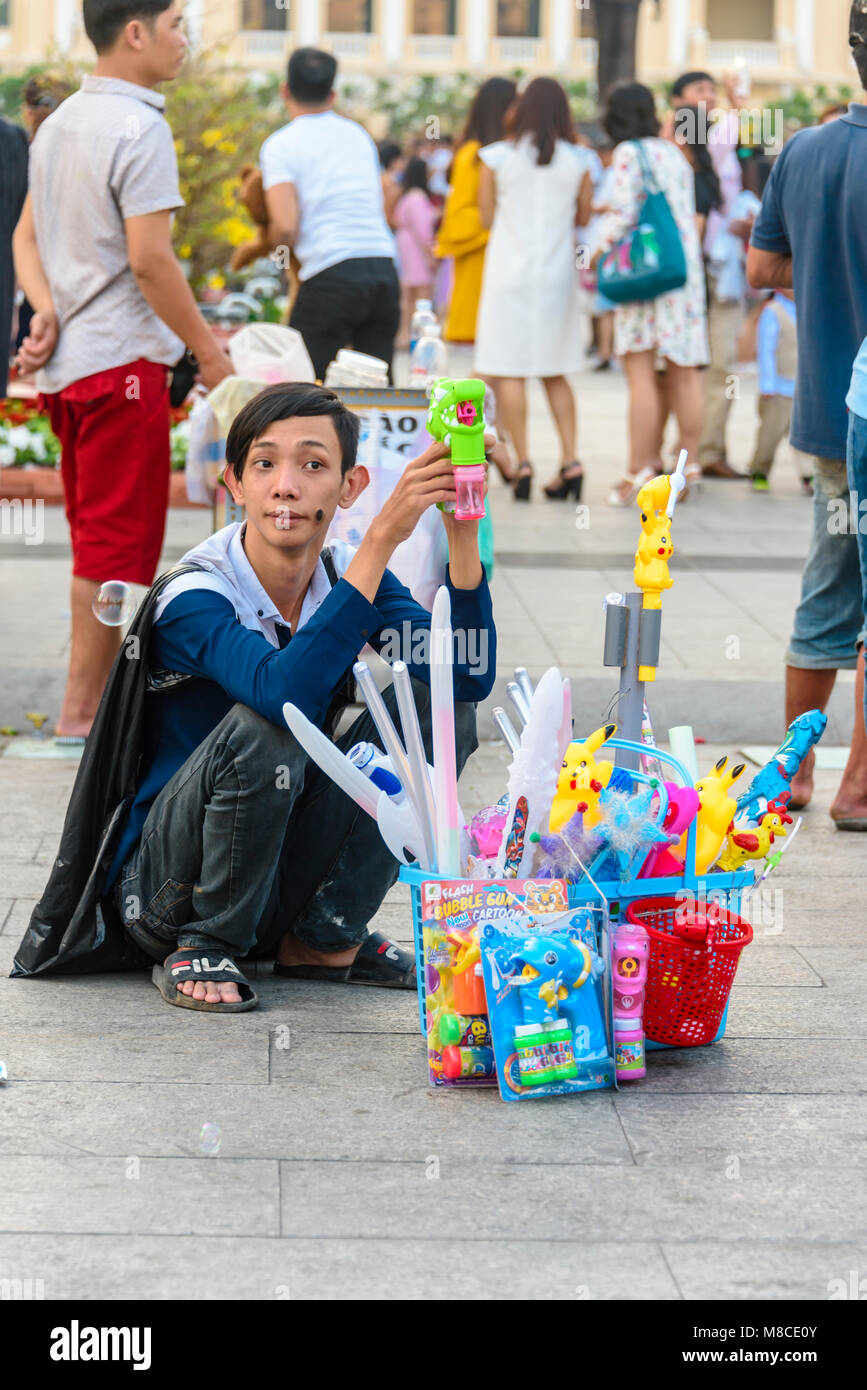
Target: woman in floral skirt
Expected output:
[671,331]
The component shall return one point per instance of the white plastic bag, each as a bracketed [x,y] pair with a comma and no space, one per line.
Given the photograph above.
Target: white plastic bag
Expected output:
[206,452]
[270,352]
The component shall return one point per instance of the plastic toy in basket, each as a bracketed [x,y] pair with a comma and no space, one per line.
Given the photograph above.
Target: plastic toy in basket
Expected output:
[694,953]
[545,985]
[458,1034]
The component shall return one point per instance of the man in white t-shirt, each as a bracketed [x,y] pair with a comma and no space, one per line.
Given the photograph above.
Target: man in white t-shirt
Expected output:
[324,195]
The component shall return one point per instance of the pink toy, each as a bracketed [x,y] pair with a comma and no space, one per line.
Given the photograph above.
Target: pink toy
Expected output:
[682,809]
[486,830]
[629,958]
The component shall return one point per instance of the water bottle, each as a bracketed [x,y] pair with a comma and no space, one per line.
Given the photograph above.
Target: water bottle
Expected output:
[423,315]
[428,361]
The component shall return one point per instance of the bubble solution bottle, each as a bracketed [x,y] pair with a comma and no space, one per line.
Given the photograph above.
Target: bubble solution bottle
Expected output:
[629,958]
[535,1065]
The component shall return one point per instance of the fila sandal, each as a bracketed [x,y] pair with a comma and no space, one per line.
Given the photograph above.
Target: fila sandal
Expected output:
[203,965]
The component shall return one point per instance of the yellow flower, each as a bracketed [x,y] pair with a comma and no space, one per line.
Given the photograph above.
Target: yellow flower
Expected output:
[235,230]
[216,280]
[211,137]
[179,147]
[185,251]
[227,147]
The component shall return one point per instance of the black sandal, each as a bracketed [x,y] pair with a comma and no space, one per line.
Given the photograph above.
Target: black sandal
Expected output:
[203,965]
[379,962]
[523,480]
[570,482]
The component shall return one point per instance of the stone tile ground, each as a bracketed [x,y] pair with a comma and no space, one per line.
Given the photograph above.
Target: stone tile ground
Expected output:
[733,1172]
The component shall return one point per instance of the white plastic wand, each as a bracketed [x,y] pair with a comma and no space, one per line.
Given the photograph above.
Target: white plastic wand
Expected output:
[507,729]
[677,482]
[422,795]
[384,726]
[442,692]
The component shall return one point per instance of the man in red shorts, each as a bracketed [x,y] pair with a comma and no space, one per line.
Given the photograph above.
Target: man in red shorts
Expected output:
[113,312]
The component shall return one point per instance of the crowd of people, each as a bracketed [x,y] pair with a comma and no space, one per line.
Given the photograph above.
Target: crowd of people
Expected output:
[508,256]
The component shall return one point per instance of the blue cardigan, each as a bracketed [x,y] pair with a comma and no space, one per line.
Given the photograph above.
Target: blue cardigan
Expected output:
[198,634]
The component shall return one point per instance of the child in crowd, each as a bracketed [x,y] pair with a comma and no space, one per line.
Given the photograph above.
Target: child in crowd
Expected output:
[777,353]
[415,221]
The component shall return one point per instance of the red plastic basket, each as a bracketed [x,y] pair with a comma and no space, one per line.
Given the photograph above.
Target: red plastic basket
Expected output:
[694,952]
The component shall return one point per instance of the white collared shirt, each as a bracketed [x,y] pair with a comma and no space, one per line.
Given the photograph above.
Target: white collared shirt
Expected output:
[229,572]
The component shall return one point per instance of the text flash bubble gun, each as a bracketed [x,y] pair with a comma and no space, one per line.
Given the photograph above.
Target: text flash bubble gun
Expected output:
[457,418]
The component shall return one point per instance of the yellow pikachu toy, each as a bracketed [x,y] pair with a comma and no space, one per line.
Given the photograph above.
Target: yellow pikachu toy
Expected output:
[655,549]
[581,780]
[715,812]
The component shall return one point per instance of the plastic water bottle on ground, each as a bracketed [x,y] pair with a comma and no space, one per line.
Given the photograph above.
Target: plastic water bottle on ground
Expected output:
[428,361]
[423,316]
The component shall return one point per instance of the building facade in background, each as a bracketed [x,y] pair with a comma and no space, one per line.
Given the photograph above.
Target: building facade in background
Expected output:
[781,44]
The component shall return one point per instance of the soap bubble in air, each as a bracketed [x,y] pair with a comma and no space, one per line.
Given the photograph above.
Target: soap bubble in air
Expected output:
[210,1139]
[114,604]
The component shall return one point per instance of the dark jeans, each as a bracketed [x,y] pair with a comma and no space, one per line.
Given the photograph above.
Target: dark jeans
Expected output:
[354,304]
[250,838]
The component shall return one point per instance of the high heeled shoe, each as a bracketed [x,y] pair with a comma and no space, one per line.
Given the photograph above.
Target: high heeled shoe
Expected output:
[570,484]
[523,483]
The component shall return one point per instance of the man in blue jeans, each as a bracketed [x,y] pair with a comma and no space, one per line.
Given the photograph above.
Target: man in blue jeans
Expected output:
[229,841]
[811,236]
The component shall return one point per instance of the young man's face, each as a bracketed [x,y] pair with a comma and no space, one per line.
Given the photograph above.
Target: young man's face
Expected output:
[164,44]
[701,93]
[292,483]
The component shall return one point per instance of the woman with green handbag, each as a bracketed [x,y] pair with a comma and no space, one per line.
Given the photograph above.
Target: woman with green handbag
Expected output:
[651,266]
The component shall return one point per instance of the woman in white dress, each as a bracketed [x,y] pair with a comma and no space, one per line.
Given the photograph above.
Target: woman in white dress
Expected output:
[670,330]
[535,187]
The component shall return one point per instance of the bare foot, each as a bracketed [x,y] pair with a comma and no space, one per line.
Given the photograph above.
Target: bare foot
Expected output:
[294,952]
[802,783]
[211,992]
[850,804]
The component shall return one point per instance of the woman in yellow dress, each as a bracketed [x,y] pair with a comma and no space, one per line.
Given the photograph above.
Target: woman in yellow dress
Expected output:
[461,234]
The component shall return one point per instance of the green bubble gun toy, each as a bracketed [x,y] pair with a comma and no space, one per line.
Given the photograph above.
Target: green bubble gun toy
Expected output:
[457,418]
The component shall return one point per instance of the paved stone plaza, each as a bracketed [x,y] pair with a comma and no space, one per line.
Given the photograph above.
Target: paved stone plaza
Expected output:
[149,1152]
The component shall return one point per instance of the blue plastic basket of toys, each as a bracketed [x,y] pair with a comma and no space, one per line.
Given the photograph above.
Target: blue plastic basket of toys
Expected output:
[725,888]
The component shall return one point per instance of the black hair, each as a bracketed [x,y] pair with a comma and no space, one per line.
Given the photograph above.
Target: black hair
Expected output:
[311,75]
[630,112]
[104,20]
[285,401]
[692,132]
[388,151]
[686,79]
[414,176]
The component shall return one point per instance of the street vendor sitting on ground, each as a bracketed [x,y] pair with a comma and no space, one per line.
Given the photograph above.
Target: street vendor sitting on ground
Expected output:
[232,842]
